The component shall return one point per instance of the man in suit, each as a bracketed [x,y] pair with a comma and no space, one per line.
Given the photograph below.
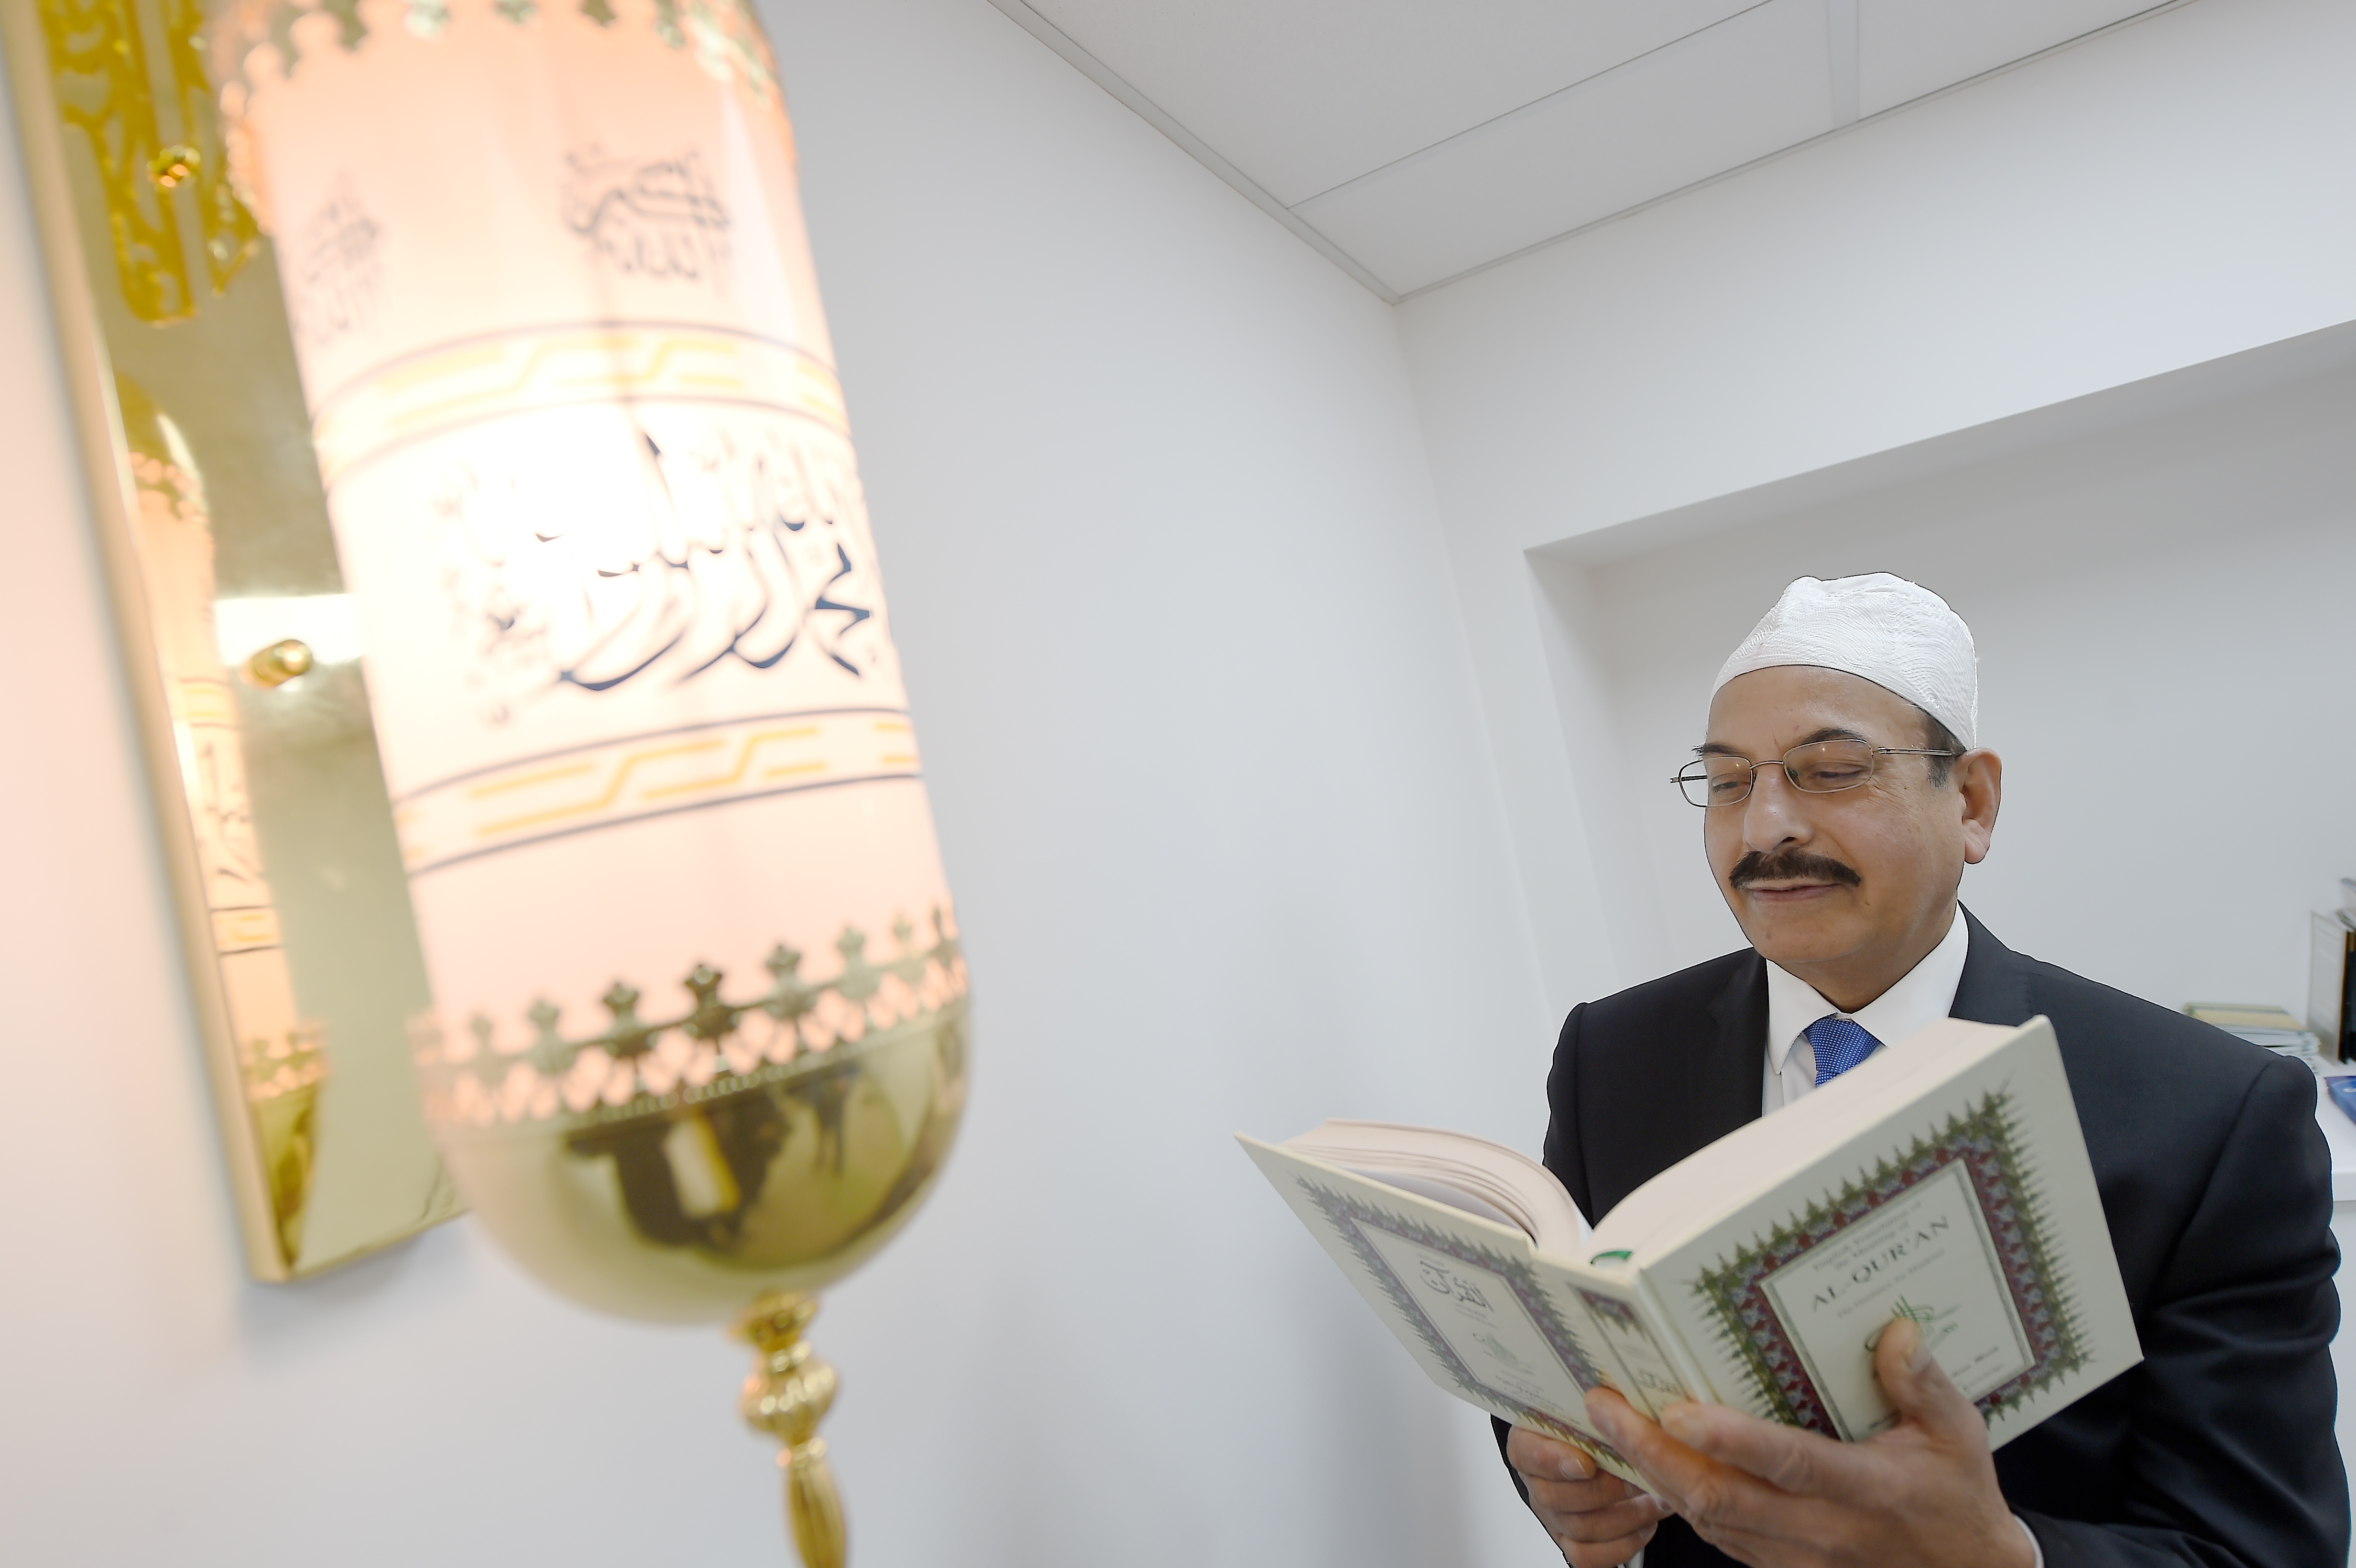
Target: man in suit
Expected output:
[1842,795]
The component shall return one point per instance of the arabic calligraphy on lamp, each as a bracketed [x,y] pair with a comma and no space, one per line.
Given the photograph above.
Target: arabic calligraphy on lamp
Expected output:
[699,1023]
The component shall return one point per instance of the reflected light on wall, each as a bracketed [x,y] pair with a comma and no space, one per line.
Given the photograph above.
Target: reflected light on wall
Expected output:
[326,625]
[699,1025]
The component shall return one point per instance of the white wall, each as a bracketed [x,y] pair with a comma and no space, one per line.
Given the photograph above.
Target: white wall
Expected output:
[1203,746]
[2163,195]
[1250,741]
[2162,609]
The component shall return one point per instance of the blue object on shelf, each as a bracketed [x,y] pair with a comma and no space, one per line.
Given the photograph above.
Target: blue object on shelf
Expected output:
[2343,1092]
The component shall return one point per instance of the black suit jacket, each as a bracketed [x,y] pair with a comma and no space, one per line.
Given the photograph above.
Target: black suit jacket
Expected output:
[2218,1449]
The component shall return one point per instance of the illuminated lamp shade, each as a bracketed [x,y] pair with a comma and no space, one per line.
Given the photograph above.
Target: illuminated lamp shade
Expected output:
[698,1027]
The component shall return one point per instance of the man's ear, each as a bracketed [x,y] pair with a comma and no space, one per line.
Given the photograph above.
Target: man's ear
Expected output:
[1979,789]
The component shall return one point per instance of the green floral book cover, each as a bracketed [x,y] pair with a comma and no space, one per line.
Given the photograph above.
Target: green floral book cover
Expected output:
[1951,1233]
[1952,1187]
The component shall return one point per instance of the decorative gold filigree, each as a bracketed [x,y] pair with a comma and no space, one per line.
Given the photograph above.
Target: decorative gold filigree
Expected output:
[637,1066]
[722,35]
[100,63]
[230,232]
[99,58]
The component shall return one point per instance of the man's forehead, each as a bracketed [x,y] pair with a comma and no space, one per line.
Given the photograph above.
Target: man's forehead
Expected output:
[1789,705]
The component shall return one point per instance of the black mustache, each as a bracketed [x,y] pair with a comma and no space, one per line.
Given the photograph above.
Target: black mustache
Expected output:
[1790,865]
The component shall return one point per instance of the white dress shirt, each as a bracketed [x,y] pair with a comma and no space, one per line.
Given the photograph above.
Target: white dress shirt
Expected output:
[1924,996]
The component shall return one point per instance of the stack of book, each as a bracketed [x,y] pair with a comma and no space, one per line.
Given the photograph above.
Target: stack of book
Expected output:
[2270,1026]
[2332,976]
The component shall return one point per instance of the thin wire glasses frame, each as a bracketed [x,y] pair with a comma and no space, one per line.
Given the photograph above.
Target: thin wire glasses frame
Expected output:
[1819,767]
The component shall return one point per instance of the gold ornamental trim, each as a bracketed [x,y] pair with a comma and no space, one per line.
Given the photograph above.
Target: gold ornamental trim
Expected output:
[721,34]
[587,788]
[131,79]
[571,365]
[486,1077]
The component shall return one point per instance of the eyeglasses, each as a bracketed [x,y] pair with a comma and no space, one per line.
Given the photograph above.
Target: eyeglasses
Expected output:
[1820,767]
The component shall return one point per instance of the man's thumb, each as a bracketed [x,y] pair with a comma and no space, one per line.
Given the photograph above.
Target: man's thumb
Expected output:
[1915,1382]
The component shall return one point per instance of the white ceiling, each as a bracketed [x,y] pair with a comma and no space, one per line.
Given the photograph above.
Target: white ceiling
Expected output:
[1414,140]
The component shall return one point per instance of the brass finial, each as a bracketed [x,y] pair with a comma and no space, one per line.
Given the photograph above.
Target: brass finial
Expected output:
[785,1397]
[280,662]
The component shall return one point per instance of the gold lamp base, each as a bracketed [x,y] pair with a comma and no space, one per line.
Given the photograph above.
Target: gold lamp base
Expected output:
[787,1396]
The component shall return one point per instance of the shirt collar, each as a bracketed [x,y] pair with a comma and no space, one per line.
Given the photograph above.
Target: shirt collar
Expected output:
[1925,995]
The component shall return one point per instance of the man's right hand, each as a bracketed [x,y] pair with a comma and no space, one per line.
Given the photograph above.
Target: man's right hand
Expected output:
[1598,1519]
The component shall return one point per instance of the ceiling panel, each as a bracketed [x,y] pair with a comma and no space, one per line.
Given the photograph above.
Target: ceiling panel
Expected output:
[1908,47]
[1712,101]
[1303,95]
[1413,141]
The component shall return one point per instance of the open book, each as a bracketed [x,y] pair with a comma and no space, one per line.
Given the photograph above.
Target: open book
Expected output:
[1944,1179]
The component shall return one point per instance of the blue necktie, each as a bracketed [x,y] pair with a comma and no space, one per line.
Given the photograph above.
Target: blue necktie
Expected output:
[1840,1044]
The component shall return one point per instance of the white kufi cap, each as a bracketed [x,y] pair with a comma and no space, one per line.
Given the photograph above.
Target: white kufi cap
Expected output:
[1896,633]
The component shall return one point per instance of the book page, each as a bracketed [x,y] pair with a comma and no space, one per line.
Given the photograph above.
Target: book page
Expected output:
[1470,1300]
[1439,1191]
[1530,1195]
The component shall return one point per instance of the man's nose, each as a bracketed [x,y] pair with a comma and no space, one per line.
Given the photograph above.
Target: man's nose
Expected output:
[1775,814]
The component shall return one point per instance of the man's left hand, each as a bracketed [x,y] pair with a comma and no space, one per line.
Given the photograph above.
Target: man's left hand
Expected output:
[1922,1494]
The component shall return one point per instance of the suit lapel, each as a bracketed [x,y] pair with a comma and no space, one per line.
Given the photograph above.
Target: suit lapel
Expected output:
[1995,987]
[1723,1081]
